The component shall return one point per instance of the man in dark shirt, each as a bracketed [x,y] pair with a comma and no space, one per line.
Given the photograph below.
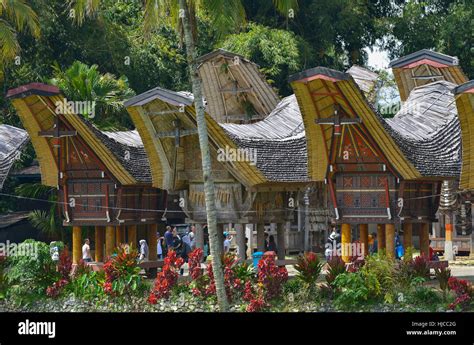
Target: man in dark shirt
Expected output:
[169,238]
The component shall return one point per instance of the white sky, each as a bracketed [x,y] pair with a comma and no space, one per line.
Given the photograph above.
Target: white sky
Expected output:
[378,59]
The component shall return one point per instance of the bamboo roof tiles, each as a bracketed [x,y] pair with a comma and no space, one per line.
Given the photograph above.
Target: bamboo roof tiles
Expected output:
[12,140]
[279,142]
[427,130]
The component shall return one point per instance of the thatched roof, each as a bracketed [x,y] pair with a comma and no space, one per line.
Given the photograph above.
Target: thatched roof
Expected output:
[424,67]
[12,140]
[365,78]
[234,88]
[427,130]
[279,141]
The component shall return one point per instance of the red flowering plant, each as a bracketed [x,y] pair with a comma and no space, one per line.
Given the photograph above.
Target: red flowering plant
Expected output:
[199,280]
[122,274]
[64,269]
[309,268]
[270,276]
[464,293]
[167,278]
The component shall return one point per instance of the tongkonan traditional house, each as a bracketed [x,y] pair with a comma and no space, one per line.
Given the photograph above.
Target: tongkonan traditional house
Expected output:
[103,178]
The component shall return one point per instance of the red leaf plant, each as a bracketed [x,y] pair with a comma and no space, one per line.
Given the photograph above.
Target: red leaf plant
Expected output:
[167,278]
[64,270]
[464,293]
[271,276]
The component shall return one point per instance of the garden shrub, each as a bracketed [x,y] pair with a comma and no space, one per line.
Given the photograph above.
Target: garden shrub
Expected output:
[87,285]
[244,271]
[292,286]
[464,293]
[3,283]
[29,276]
[122,274]
[381,269]
[420,266]
[336,266]
[309,268]
[167,278]
[443,274]
[64,270]
[352,290]
[271,276]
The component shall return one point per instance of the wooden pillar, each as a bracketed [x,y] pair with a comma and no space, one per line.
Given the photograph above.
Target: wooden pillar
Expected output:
[199,236]
[119,235]
[407,236]
[346,239]
[364,238]
[99,243]
[109,240]
[380,237]
[249,229]
[281,247]
[240,237]
[76,244]
[390,240]
[132,236]
[260,237]
[152,242]
[424,239]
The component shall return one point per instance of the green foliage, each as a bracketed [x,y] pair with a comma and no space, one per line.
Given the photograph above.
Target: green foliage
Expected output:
[309,268]
[335,267]
[87,285]
[279,53]
[292,286]
[439,25]
[30,274]
[46,221]
[380,270]
[244,271]
[15,16]
[443,274]
[81,82]
[352,291]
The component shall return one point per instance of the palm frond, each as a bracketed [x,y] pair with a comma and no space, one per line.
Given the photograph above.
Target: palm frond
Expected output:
[33,190]
[284,6]
[83,8]
[23,16]
[9,46]
[44,221]
[225,15]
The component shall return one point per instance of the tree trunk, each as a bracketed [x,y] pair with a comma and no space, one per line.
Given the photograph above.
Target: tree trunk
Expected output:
[215,247]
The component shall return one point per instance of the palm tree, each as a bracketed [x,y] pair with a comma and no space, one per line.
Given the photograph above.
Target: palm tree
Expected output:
[47,222]
[225,15]
[81,82]
[15,16]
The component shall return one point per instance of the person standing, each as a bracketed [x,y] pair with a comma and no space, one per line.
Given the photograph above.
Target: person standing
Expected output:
[272,247]
[159,248]
[169,237]
[374,246]
[143,250]
[192,237]
[86,251]
[227,240]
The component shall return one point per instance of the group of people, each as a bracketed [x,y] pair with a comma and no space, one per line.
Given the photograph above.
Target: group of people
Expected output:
[334,239]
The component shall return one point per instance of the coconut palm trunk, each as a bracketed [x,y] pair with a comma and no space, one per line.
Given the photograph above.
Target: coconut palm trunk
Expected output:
[215,246]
